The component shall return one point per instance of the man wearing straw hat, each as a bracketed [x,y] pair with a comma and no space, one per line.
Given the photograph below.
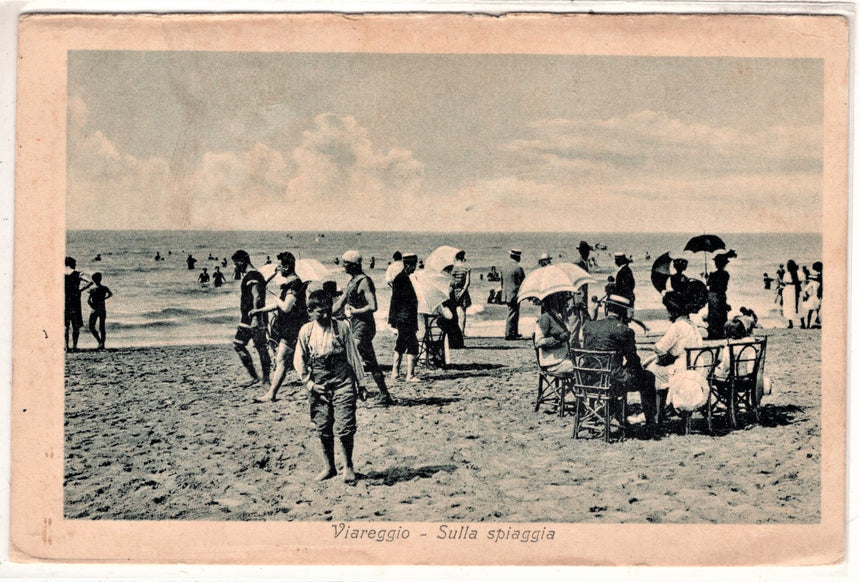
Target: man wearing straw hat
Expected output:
[512,277]
[613,334]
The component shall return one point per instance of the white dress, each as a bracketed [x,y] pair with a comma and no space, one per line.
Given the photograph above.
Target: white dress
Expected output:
[682,334]
[789,301]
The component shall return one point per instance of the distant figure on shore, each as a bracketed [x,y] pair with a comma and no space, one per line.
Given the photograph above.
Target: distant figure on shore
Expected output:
[190,261]
[811,299]
[790,292]
[718,284]
[224,263]
[96,300]
[291,314]
[268,260]
[218,277]
[624,280]
[394,268]
[512,277]
[581,311]
[491,298]
[817,268]
[251,327]
[544,260]
[403,317]
[328,363]
[75,283]
[461,279]
[805,271]
[493,275]
[768,281]
[357,305]
[158,257]
[780,284]
[97,258]
[210,257]
[203,278]
[372,264]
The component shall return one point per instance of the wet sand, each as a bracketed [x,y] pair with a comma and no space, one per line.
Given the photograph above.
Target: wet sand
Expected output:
[167,433]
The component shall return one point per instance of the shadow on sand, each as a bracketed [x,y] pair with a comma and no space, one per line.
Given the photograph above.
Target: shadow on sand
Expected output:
[425,401]
[401,474]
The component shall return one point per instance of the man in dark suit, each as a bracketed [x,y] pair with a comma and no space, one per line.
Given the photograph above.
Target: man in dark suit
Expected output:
[512,277]
[624,281]
[613,334]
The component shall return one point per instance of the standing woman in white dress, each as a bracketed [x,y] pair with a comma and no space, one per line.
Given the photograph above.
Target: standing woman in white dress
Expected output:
[790,293]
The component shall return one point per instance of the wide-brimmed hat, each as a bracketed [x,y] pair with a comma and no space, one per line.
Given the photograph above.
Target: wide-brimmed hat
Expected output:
[351,256]
[620,301]
[516,253]
[622,256]
[410,258]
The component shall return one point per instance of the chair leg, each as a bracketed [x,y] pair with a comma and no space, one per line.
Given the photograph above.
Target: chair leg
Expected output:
[606,419]
[562,388]
[688,422]
[733,407]
[576,417]
[539,393]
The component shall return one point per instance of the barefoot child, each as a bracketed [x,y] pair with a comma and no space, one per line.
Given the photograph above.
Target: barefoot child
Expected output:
[328,363]
[98,295]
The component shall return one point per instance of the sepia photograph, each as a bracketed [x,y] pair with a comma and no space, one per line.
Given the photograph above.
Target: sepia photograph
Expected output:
[401,284]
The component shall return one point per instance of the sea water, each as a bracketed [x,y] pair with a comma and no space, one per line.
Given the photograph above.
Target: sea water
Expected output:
[161,303]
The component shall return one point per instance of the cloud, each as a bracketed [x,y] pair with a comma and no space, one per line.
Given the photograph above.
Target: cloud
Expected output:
[649,171]
[337,162]
[107,188]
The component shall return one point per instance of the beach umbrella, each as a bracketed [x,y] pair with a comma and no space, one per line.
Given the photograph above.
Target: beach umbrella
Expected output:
[705,243]
[312,270]
[306,269]
[660,272]
[432,289]
[557,278]
[440,258]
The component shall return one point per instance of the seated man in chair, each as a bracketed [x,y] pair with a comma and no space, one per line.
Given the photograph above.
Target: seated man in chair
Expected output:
[613,334]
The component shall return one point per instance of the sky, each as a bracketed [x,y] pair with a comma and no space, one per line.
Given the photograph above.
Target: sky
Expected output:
[331,141]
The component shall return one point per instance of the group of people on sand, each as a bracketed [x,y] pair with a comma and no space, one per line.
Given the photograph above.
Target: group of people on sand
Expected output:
[75,284]
[327,337]
[799,292]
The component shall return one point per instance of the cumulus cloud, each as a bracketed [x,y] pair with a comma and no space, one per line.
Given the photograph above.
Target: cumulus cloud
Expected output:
[108,188]
[336,161]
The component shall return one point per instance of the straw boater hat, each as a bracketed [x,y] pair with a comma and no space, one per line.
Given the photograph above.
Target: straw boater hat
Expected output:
[544,258]
[410,258]
[516,253]
[619,303]
[622,256]
[351,256]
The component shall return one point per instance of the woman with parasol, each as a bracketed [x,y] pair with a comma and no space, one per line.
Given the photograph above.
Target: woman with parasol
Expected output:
[552,335]
[718,283]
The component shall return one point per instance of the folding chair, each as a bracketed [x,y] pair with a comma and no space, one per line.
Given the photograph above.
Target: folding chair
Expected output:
[432,348]
[739,389]
[551,388]
[703,359]
[595,400]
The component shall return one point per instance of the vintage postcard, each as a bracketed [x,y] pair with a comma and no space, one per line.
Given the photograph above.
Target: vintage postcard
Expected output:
[432,289]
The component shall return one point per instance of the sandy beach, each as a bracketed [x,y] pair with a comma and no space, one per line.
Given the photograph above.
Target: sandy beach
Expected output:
[166,433]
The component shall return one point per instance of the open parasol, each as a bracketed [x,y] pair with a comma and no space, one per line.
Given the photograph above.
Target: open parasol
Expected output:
[661,270]
[440,258]
[432,289]
[705,243]
[306,269]
[557,278]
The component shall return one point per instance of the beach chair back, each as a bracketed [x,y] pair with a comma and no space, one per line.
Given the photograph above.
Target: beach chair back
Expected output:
[597,401]
[432,349]
[704,360]
[747,359]
[551,388]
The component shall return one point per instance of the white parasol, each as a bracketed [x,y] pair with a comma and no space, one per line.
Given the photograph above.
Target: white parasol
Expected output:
[557,278]
[432,289]
[440,258]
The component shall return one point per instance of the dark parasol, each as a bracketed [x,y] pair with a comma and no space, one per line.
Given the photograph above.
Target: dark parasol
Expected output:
[707,243]
[660,271]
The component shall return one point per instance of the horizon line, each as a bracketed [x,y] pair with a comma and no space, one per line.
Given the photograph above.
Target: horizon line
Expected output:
[447,232]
